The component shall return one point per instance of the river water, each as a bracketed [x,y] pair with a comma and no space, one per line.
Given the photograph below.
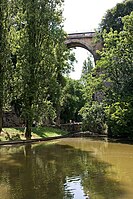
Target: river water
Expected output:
[71,168]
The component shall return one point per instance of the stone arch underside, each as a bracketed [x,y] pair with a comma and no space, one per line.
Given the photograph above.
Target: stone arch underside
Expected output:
[74,44]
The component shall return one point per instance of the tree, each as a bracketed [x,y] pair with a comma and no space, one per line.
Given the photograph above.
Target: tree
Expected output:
[87,66]
[55,91]
[113,18]
[117,71]
[41,52]
[92,113]
[1,64]
[5,58]
[72,100]
[108,91]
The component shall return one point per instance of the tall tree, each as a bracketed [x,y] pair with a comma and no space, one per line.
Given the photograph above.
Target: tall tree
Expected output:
[117,74]
[1,62]
[87,67]
[41,53]
[5,64]
[111,85]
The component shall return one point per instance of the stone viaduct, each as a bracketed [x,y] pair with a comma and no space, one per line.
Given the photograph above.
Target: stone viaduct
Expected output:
[84,40]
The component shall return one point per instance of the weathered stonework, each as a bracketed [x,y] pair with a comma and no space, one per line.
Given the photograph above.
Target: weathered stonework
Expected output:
[84,40]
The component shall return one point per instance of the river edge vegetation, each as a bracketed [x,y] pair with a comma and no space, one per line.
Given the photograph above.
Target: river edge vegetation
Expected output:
[34,63]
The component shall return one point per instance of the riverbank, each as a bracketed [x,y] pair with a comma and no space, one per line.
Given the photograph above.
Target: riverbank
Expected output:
[16,135]
[11,136]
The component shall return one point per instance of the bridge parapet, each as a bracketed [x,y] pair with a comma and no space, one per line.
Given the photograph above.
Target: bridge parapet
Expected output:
[81,35]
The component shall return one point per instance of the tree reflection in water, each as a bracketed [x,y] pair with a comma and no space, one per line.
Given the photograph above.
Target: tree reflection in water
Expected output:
[50,171]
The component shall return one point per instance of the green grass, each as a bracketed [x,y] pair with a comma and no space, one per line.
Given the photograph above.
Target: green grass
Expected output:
[37,132]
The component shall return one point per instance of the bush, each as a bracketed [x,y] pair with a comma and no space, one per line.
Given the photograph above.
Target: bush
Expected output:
[120,119]
[93,118]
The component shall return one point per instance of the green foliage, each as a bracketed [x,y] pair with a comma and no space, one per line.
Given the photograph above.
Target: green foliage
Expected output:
[108,91]
[87,66]
[93,116]
[71,100]
[120,119]
[113,19]
[116,63]
[56,87]
[31,76]
[6,68]
[38,43]
[34,59]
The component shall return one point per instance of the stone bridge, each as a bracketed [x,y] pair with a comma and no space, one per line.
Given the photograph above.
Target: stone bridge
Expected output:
[84,40]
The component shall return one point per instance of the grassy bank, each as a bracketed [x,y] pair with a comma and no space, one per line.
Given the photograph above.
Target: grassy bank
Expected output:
[37,132]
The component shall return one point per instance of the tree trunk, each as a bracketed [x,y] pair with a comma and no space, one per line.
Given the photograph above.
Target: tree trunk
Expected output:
[1,96]
[28,129]
[0,119]
[28,118]
[58,116]
[31,63]
[1,68]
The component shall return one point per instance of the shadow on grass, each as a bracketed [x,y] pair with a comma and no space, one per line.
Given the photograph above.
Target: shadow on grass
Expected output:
[43,131]
[47,132]
[18,133]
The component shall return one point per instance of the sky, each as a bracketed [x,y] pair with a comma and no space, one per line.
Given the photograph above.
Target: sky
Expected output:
[84,16]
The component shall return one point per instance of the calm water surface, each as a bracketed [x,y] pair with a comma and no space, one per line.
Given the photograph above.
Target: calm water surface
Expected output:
[77,168]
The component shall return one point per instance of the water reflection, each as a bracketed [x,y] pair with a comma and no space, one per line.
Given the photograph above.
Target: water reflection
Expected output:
[67,169]
[74,189]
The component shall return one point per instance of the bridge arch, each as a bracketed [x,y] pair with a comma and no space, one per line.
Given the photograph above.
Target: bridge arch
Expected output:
[84,40]
[82,45]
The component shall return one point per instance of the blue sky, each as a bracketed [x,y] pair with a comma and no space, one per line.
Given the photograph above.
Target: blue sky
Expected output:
[83,16]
